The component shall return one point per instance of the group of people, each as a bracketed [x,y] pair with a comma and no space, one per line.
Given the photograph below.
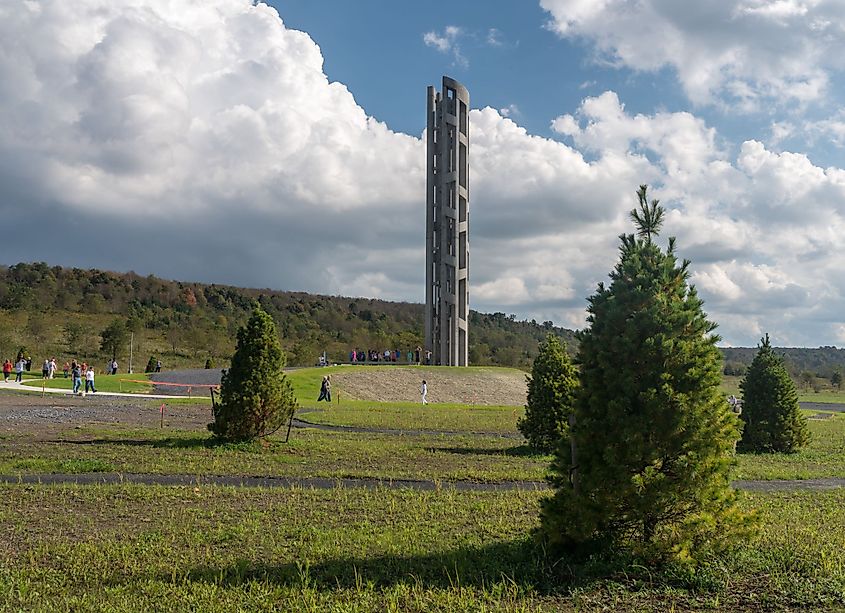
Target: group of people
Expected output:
[19,367]
[82,370]
[48,370]
[390,355]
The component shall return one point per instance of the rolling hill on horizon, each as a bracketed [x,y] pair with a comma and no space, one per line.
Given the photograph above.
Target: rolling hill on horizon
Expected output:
[56,310]
[61,311]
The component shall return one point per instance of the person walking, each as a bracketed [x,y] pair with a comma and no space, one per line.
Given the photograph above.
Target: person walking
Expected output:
[45,369]
[89,380]
[424,391]
[7,370]
[19,368]
[66,369]
[158,365]
[52,367]
[76,373]
[324,389]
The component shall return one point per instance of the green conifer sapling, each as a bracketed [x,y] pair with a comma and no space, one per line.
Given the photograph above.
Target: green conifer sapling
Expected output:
[651,444]
[255,396]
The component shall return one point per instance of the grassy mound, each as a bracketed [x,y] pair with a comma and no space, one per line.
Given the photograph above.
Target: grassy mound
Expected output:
[487,386]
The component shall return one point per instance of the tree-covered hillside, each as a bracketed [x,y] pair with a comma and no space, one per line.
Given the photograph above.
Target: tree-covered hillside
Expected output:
[62,311]
[820,362]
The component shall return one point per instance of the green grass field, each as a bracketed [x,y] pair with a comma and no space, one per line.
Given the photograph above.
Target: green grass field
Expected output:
[415,417]
[310,453]
[150,548]
[730,385]
[214,548]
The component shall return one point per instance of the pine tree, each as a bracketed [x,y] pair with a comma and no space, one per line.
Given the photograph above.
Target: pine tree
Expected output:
[650,452]
[255,396]
[770,410]
[551,392]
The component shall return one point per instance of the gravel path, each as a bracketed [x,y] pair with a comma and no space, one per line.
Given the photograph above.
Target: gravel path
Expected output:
[26,412]
[188,376]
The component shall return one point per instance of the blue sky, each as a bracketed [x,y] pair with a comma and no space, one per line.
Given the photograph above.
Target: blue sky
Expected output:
[377,49]
[232,141]
[509,57]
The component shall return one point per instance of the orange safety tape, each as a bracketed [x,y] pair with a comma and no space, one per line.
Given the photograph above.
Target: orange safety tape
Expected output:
[172,384]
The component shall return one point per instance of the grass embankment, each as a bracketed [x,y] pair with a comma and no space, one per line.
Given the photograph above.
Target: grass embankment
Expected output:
[136,548]
[397,415]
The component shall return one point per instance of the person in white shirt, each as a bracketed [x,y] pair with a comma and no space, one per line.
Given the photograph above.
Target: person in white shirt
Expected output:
[89,380]
[19,368]
[424,391]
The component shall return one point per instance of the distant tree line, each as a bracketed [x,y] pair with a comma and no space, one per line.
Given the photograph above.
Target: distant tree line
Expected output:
[820,361]
[203,319]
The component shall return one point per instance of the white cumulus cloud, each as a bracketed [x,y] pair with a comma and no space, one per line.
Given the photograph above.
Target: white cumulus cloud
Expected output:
[202,140]
[744,53]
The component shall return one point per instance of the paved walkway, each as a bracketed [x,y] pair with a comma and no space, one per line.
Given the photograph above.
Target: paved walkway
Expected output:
[13,386]
[324,483]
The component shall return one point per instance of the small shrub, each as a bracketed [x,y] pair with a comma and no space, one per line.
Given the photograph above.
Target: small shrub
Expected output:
[772,416]
[255,396]
[551,392]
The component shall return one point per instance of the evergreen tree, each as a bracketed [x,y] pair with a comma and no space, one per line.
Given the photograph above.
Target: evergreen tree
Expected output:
[648,461]
[255,396]
[773,419]
[551,392]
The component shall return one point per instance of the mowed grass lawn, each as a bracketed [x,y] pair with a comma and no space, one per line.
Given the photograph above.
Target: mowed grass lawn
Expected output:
[440,417]
[310,453]
[150,548]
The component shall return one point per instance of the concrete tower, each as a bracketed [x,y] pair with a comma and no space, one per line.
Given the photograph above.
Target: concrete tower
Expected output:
[446,225]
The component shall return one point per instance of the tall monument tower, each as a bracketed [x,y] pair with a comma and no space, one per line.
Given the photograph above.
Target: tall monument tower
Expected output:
[446,225]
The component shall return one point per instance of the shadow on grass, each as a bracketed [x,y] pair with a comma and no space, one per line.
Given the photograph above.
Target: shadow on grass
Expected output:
[519,451]
[517,563]
[163,443]
[521,564]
